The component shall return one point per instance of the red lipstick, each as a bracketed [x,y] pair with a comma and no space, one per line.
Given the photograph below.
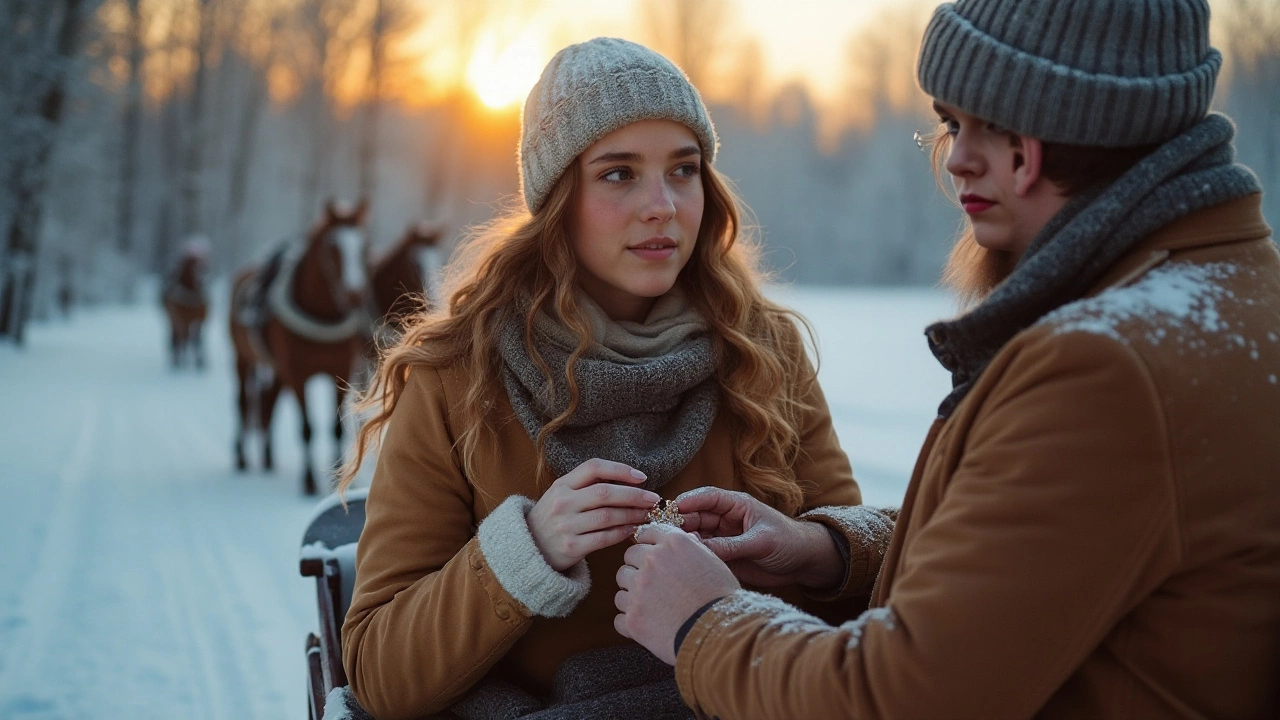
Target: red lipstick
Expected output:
[974,204]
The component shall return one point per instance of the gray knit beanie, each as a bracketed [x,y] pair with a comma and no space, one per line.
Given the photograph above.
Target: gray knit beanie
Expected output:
[589,90]
[1102,73]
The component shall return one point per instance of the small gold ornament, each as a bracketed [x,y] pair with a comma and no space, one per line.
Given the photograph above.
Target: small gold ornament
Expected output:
[663,512]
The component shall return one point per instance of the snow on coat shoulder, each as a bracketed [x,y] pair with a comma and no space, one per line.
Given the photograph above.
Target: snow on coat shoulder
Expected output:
[1177,302]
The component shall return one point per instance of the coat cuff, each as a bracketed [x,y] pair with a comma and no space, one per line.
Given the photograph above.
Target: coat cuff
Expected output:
[867,531]
[720,618]
[518,564]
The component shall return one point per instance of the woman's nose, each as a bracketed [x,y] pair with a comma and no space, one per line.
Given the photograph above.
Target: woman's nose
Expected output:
[659,202]
[962,159]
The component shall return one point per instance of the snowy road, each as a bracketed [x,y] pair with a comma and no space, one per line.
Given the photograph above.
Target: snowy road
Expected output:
[141,578]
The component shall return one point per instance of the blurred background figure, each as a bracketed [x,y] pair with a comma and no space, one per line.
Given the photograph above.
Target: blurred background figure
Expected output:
[186,302]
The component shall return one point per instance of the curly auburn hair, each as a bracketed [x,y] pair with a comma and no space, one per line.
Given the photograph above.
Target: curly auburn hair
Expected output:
[760,365]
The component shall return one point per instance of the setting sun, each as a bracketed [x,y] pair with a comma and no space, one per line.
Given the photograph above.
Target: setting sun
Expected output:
[502,76]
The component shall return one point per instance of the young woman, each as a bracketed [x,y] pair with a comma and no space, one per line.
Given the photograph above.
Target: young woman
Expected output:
[603,348]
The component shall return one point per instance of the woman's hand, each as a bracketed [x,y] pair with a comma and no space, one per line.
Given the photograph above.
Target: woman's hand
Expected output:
[584,511]
[761,545]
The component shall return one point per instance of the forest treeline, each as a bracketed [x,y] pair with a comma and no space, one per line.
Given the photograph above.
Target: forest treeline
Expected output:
[132,125]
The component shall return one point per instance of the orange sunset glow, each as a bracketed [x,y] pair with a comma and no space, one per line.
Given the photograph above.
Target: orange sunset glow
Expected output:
[501,75]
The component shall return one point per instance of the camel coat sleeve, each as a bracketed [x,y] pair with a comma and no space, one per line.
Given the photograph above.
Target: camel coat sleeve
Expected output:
[1058,516]
[428,616]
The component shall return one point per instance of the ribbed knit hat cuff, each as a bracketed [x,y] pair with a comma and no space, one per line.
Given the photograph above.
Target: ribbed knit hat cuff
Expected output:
[1032,96]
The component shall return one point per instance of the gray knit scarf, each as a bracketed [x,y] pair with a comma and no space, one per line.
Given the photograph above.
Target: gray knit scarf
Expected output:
[647,394]
[1192,171]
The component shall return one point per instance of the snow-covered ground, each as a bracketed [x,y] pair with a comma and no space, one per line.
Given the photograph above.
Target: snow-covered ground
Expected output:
[140,577]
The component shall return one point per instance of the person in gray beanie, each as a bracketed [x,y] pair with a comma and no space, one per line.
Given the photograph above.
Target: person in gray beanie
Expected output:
[1093,527]
[604,348]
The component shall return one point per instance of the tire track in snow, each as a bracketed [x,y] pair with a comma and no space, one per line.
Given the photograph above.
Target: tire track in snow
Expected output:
[52,585]
[237,539]
[202,621]
[256,548]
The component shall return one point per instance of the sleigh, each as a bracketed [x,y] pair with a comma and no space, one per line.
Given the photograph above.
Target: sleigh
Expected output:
[328,554]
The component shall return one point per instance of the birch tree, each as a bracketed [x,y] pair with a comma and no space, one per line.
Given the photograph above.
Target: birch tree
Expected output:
[191,182]
[690,32]
[258,53]
[330,36]
[130,124]
[390,21]
[462,22]
[40,43]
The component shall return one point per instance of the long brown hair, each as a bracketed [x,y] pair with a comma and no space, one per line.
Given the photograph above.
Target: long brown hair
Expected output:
[758,346]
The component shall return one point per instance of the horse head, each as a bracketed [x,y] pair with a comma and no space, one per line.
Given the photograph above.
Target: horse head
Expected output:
[342,246]
[422,241]
[402,274]
[193,261]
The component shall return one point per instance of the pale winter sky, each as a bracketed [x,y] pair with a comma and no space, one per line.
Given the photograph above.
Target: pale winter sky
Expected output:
[802,39]
[799,39]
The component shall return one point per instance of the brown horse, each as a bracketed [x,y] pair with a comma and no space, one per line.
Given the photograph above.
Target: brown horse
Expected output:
[398,283]
[186,303]
[301,315]
[399,287]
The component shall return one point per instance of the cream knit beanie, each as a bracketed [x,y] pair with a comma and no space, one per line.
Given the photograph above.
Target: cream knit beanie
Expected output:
[589,90]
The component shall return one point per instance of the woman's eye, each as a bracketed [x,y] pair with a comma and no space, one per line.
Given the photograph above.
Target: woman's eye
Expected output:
[688,170]
[617,175]
[951,124]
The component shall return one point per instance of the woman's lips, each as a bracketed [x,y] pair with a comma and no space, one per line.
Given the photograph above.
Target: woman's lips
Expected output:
[974,204]
[654,253]
[656,249]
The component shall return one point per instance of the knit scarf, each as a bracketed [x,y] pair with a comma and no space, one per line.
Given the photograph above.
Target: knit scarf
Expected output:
[1192,171]
[646,391]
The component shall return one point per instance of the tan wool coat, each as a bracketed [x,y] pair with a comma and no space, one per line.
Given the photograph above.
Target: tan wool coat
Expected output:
[430,617]
[1093,533]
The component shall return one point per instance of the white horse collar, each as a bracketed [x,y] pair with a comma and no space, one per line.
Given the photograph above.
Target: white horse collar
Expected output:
[280,302]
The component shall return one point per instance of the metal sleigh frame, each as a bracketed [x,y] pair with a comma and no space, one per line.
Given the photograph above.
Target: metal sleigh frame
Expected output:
[328,555]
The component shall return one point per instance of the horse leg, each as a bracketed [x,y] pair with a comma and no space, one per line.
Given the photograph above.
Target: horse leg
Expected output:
[266,411]
[308,475]
[175,343]
[197,344]
[245,376]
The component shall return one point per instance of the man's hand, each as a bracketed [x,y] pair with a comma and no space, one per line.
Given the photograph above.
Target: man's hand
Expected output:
[762,546]
[666,576]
